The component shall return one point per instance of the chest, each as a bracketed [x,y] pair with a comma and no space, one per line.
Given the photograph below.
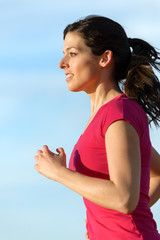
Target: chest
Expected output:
[89,154]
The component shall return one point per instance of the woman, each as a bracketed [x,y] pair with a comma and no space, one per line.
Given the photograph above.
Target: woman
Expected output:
[110,164]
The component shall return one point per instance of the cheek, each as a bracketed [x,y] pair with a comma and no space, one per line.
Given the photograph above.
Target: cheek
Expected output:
[91,71]
[87,69]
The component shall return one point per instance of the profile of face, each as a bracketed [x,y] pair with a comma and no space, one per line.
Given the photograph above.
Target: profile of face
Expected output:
[82,67]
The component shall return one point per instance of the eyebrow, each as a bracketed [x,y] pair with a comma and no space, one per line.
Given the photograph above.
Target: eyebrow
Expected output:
[67,49]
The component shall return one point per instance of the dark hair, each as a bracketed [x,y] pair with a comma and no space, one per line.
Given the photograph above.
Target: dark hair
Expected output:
[133,60]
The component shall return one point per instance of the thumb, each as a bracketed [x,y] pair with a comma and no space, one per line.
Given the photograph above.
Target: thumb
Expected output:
[60,151]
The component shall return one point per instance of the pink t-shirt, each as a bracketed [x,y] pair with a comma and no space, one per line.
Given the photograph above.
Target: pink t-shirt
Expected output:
[89,158]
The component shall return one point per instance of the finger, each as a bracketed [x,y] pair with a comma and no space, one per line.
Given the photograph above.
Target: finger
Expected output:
[60,151]
[86,236]
[36,158]
[45,148]
[36,166]
[39,152]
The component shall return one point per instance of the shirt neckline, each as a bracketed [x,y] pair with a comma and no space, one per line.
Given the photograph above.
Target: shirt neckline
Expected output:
[99,110]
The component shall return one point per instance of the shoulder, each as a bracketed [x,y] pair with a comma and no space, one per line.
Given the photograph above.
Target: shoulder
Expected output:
[124,108]
[123,105]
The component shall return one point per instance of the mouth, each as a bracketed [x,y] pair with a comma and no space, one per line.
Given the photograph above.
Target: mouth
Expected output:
[69,76]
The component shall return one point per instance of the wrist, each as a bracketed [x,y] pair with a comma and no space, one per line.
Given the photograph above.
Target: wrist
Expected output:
[61,174]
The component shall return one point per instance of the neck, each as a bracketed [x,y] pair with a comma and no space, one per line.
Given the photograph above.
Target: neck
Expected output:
[103,94]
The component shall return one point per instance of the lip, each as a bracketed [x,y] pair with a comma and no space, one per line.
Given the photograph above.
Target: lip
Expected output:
[69,76]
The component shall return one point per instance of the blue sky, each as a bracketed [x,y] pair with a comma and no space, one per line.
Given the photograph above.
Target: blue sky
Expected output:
[36,108]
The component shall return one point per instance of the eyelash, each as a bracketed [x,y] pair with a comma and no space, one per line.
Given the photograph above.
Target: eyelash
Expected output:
[72,54]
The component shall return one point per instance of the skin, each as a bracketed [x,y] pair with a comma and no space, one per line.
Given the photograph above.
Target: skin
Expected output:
[80,63]
[154,191]
[92,74]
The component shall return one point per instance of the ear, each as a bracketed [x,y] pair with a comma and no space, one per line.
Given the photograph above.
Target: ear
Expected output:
[106,58]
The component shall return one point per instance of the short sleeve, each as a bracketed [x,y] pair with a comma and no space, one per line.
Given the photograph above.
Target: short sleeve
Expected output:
[124,109]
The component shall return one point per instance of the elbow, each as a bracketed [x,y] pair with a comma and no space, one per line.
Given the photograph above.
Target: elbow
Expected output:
[128,209]
[127,206]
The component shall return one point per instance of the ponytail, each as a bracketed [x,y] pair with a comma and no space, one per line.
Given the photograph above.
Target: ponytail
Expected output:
[142,83]
[101,34]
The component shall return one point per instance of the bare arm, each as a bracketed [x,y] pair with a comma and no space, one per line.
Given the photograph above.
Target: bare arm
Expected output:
[154,191]
[121,192]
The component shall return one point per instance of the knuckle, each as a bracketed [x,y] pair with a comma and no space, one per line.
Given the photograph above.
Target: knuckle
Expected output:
[36,166]
[45,148]
[36,157]
[39,152]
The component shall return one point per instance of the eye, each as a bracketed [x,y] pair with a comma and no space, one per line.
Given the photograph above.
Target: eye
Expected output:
[72,54]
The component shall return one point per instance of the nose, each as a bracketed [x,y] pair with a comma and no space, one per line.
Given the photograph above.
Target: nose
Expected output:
[63,63]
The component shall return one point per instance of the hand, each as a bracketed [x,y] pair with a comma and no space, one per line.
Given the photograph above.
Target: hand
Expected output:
[86,235]
[49,164]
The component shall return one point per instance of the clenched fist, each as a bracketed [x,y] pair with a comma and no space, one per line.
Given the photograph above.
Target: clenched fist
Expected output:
[50,164]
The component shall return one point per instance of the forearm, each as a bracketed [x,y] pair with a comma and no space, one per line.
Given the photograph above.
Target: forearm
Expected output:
[100,191]
[155,163]
[154,192]
[119,193]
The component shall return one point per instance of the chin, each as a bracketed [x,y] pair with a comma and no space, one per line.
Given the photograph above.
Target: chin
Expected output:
[74,88]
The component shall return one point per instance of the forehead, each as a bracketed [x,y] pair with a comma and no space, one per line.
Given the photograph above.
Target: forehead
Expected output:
[75,40]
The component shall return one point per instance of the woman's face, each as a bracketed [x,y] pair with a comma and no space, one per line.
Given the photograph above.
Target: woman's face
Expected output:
[82,68]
